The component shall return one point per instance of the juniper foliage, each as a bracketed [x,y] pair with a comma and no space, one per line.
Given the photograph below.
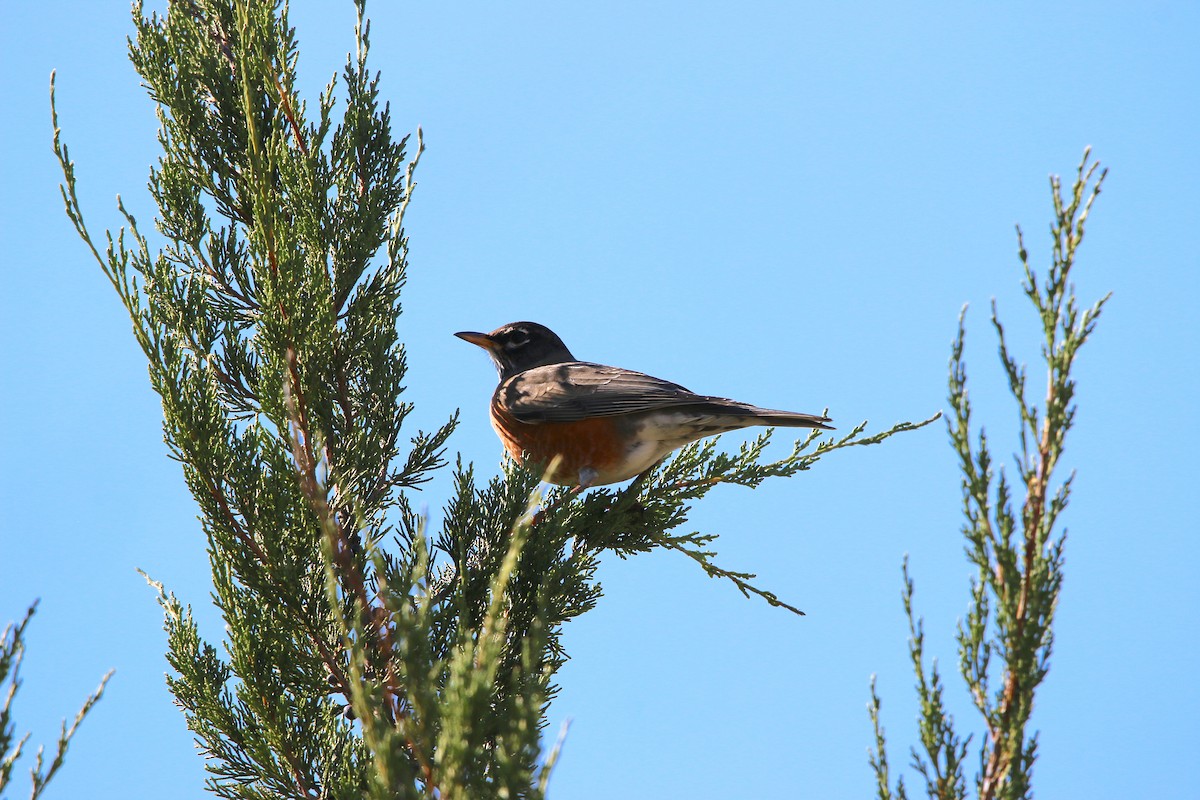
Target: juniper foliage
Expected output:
[12,653]
[368,652]
[1006,640]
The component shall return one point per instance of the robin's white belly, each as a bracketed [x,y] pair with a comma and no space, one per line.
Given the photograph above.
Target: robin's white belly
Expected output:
[658,436]
[640,457]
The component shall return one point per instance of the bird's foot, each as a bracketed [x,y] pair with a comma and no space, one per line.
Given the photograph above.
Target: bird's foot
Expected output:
[587,479]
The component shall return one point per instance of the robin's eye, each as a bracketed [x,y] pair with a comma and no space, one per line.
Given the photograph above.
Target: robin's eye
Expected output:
[516,340]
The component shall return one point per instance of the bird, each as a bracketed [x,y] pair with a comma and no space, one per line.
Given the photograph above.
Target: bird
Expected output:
[594,424]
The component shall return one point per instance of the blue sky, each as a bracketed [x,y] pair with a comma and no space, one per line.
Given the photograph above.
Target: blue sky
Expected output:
[783,202]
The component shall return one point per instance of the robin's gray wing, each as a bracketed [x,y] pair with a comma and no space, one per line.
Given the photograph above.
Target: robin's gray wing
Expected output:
[578,390]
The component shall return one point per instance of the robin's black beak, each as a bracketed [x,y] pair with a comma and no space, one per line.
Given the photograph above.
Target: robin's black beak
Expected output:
[478,339]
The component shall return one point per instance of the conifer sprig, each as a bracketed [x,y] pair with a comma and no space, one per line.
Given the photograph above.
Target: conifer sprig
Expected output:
[12,653]
[1006,640]
[641,516]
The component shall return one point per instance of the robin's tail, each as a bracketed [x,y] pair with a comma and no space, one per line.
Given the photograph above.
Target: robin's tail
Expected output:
[791,419]
[763,416]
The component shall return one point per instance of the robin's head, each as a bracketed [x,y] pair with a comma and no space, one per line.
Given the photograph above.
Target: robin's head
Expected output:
[519,346]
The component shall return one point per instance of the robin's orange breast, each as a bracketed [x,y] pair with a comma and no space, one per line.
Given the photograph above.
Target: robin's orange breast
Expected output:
[594,444]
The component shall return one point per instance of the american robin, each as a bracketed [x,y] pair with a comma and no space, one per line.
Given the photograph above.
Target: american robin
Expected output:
[605,424]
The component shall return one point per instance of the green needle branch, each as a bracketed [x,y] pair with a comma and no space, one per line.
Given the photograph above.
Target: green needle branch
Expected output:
[12,653]
[1006,640]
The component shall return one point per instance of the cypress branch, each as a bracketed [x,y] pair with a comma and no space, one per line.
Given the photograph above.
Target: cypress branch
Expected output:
[1006,640]
[12,653]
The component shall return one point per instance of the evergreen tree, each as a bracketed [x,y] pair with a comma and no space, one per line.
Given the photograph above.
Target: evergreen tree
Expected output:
[370,652]
[1004,646]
